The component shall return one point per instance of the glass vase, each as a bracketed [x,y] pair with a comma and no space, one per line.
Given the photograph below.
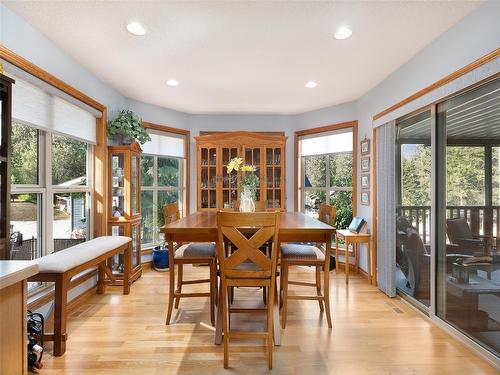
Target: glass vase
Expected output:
[247,203]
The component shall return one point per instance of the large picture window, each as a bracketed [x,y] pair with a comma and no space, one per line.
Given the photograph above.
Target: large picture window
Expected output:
[326,174]
[162,180]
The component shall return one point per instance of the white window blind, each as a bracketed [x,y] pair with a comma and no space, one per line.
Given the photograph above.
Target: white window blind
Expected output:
[337,141]
[35,106]
[165,144]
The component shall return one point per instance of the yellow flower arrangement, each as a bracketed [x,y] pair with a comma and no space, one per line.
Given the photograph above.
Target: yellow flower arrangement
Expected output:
[248,180]
[234,164]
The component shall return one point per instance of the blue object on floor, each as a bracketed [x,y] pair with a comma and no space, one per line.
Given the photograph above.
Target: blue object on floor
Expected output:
[160,258]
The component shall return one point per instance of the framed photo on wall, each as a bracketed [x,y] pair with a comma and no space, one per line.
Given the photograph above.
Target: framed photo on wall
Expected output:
[365,146]
[365,164]
[365,197]
[365,180]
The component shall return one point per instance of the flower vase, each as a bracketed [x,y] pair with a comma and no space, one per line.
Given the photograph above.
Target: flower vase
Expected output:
[247,203]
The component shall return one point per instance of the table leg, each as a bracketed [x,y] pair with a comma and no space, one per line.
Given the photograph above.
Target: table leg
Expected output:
[171,275]
[337,254]
[327,281]
[369,265]
[346,261]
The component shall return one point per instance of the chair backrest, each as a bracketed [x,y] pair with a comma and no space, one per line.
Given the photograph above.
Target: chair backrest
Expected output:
[171,212]
[259,205]
[248,232]
[458,229]
[327,214]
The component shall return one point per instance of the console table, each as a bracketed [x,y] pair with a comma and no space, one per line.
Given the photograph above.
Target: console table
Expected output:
[354,239]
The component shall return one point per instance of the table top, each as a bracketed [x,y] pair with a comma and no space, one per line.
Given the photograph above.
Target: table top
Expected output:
[206,221]
[348,233]
[13,271]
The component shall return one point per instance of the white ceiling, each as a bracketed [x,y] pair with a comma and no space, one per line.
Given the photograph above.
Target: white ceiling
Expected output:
[242,57]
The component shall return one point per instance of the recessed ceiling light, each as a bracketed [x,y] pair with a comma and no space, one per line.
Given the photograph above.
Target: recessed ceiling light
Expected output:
[172,83]
[311,84]
[343,33]
[136,28]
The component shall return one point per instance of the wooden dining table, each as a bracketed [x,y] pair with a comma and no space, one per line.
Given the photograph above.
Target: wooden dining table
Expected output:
[201,226]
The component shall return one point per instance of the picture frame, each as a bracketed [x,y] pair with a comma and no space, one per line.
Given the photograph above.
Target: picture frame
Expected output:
[365,164]
[365,180]
[365,147]
[365,197]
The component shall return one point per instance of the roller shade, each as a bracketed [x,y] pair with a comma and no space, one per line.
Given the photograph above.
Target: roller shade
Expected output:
[336,141]
[165,144]
[39,108]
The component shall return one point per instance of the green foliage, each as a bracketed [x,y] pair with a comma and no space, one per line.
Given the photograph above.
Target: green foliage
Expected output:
[127,123]
[342,200]
[69,159]
[168,171]
[24,155]
[250,181]
[416,175]
[147,170]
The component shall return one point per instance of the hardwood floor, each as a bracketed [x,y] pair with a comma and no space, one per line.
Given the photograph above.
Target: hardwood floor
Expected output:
[372,334]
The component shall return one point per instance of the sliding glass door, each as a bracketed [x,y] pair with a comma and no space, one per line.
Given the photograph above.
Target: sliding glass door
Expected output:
[413,206]
[468,214]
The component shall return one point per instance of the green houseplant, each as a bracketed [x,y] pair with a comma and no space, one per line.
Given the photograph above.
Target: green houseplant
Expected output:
[127,125]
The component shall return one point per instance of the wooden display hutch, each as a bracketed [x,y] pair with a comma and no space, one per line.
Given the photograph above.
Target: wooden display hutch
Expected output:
[217,190]
[124,205]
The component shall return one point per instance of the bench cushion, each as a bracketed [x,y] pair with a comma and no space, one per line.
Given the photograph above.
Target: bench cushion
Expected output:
[196,250]
[73,256]
[291,251]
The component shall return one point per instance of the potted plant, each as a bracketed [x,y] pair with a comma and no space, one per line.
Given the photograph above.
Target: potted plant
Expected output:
[127,127]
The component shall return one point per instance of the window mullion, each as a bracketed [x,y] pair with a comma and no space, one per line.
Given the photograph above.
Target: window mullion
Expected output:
[47,200]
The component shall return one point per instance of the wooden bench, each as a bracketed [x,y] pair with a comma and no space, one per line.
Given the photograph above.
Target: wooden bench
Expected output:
[60,267]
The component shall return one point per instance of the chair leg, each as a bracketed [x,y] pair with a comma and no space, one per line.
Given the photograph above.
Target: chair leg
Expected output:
[213,276]
[225,324]
[284,267]
[270,331]
[180,268]
[318,286]
[264,295]
[327,297]
[170,293]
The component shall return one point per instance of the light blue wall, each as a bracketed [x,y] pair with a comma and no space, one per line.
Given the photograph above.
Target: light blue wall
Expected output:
[471,38]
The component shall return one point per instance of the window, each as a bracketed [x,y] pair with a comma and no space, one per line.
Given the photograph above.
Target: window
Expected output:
[326,168]
[162,182]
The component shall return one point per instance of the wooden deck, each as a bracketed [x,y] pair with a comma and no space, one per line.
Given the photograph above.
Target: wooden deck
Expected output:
[372,334]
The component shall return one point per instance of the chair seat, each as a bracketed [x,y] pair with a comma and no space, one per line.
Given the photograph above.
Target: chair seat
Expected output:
[196,250]
[295,251]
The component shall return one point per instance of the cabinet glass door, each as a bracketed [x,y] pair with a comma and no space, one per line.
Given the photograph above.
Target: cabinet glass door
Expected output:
[273,177]
[208,177]
[136,244]
[117,185]
[135,190]
[117,260]
[229,181]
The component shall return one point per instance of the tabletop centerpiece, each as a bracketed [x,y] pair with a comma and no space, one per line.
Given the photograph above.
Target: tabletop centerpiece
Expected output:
[248,183]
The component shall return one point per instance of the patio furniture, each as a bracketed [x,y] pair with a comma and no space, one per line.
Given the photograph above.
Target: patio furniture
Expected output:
[460,234]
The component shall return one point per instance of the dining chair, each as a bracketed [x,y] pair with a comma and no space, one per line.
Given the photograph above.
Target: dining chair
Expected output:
[248,266]
[191,253]
[307,255]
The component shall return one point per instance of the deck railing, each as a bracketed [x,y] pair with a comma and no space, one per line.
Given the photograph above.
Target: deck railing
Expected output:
[483,220]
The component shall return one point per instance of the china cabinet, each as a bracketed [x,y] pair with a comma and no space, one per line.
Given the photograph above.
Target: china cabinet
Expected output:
[216,189]
[124,210]
[5,127]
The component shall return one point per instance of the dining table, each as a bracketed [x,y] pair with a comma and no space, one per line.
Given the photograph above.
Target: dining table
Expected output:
[201,226]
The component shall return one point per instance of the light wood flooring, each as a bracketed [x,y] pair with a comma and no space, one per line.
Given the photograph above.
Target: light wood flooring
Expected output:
[372,334]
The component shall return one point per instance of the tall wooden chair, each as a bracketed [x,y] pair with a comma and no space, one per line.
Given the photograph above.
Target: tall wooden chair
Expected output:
[247,266]
[192,253]
[307,255]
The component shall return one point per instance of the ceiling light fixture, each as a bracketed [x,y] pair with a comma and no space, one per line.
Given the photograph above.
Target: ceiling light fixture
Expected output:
[311,84]
[343,33]
[172,83]
[136,28]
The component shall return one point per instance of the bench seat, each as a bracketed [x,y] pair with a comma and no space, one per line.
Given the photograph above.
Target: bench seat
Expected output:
[61,266]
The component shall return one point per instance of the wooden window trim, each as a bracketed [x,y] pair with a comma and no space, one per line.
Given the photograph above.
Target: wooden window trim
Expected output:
[100,152]
[324,129]
[187,148]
